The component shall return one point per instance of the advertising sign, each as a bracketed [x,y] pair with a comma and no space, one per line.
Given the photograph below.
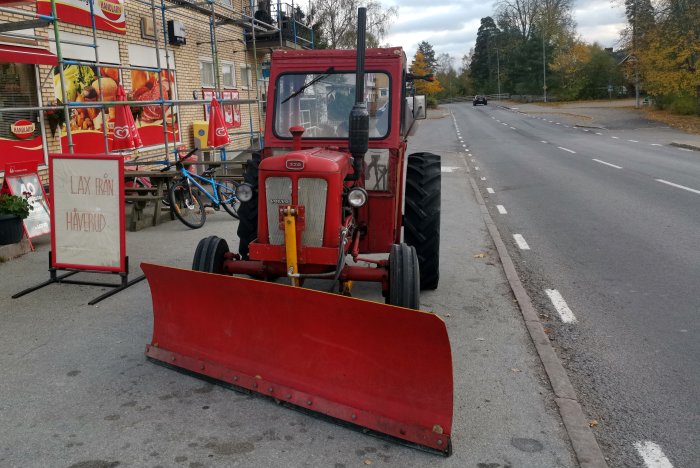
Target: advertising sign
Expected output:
[150,119]
[109,14]
[232,113]
[88,212]
[21,179]
[83,85]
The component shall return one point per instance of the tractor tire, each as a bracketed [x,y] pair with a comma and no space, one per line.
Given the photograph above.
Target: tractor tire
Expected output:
[404,277]
[421,219]
[209,255]
[248,211]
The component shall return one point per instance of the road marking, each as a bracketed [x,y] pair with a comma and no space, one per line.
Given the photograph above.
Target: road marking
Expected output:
[543,141]
[566,149]
[483,178]
[513,128]
[678,186]
[501,209]
[560,304]
[450,168]
[520,240]
[503,123]
[633,141]
[476,168]
[655,144]
[585,130]
[607,163]
[598,133]
[490,190]
[652,455]
[616,138]
[684,149]
[558,123]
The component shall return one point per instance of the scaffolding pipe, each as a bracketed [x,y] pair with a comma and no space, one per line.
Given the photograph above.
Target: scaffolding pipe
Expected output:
[64,93]
[98,66]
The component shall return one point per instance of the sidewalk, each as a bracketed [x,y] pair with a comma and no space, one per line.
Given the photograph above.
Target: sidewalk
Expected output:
[77,391]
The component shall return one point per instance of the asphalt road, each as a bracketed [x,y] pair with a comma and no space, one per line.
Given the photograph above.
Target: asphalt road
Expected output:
[612,221]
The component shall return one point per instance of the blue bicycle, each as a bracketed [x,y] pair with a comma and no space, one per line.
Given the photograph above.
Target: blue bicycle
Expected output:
[186,195]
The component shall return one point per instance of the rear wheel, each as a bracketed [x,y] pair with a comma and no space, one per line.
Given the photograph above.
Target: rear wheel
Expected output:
[404,277]
[187,204]
[226,189]
[210,255]
[248,211]
[421,220]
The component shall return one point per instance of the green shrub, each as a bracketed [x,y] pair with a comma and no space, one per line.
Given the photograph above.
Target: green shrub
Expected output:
[15,205]
[431,101]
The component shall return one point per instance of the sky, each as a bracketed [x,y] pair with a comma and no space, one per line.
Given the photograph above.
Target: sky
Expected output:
[451,25]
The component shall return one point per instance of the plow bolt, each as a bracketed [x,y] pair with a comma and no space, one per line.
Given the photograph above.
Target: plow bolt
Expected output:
[289,397]
[235,378]
[439,442]
[255,385]
[269,389]
[308,402]
[354,416]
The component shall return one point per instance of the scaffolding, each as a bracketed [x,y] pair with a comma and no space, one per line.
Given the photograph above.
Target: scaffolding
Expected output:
[285,31]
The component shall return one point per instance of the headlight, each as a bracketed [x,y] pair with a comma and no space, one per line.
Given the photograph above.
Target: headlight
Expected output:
[357,197]
[244,192]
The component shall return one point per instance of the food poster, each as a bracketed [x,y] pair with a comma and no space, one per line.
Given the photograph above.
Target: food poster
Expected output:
[29,186]
[82,86]
[149,120]
[232,113]
[207,95]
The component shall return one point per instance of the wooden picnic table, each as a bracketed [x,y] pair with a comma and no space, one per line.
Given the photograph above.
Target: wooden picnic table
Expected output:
[141,196]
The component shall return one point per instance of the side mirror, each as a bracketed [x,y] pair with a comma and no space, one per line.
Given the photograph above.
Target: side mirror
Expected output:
[419,109]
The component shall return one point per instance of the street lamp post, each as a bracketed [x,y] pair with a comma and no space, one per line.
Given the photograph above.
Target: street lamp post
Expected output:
[544,70]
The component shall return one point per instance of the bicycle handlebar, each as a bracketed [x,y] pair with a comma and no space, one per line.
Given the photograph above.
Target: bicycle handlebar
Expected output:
[179,159]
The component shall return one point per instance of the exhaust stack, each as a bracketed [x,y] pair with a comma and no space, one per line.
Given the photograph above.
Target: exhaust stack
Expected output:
[358,128]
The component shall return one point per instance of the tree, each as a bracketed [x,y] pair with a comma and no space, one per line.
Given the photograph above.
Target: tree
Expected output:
[419,67]
[483,65]
[428,52]
[338,21]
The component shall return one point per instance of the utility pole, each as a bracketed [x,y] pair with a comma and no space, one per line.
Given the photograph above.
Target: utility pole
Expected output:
[498,73]
[544,69]
[636,59]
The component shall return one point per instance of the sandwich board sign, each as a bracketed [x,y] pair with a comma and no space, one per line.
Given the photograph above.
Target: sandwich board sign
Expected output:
[23,180]
[88,212]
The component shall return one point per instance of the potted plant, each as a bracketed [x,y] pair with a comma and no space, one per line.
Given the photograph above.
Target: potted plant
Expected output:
[13,209]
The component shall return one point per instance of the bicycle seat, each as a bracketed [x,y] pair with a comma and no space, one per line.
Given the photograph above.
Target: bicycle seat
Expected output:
[208,172]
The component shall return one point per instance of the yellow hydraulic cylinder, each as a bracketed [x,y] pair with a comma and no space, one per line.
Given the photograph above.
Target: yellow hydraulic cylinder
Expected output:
[290,243]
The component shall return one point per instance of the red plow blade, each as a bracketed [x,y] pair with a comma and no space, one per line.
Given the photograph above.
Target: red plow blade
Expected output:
[385,368]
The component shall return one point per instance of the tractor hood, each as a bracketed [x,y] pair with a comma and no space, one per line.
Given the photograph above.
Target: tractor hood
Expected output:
[314,160]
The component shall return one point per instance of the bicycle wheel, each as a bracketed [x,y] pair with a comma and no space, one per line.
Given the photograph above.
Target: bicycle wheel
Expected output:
[226,189]
[187,204]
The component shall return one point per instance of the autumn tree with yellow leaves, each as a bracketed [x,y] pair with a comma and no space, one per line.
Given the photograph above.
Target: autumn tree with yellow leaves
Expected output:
[420,67]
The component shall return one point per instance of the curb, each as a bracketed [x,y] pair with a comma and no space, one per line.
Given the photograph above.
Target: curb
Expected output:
[586,448]
[686,145]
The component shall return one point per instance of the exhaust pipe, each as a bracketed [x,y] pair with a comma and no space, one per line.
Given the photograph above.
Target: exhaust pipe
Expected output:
[358,128]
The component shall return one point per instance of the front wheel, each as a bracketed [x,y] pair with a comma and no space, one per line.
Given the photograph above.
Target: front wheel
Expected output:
[404,277]
[210,255]
[187,204]
[226,189]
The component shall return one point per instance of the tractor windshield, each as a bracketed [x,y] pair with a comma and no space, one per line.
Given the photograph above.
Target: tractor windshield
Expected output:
[324,104]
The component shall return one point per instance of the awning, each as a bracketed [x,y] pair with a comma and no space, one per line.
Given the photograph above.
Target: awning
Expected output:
[20,54]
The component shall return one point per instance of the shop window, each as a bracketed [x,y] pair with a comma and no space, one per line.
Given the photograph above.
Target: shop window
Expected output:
[228,78]
[206,69]
[245,76]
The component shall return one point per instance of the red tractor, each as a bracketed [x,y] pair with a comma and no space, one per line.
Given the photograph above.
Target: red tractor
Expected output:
[327,187]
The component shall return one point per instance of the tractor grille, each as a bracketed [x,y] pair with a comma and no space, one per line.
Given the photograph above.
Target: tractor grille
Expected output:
[312,194]
[279,193]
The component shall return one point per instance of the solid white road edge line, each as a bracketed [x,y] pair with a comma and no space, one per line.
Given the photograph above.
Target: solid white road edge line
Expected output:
[652,455]
[520,240]
[490,190]
[501,209]
[566,149]
[678,186]
[607,163]
[560,304]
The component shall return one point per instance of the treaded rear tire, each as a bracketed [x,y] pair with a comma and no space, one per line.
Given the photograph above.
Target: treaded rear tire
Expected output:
[248,211]
[404,277]
[209,255]
[421,219]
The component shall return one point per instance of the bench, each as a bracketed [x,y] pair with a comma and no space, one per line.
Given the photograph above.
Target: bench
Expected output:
[141,197]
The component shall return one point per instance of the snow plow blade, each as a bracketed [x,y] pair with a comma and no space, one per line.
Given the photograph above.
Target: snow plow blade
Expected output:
[380,367]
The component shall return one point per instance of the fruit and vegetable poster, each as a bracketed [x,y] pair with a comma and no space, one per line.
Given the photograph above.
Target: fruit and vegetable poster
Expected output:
[109,14]
[145,86]
[88,212]
[86,123]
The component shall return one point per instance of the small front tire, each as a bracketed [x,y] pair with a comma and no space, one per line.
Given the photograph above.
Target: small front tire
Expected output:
[210,255]
[404,277]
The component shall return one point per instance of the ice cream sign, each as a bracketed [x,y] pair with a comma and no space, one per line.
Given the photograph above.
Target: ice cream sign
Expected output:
[22,129]
[109,14]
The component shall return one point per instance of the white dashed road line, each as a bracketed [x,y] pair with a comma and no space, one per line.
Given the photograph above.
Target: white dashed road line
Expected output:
[566,149]
[543,141]
[607,163]
[490,190]
[616,138]
[520,240]
[501,209]
[483,178]
[598,133]
[513,128]
[633,141]
[655,144]
[678,186]
[652,455]
[560,304]
[449,168]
